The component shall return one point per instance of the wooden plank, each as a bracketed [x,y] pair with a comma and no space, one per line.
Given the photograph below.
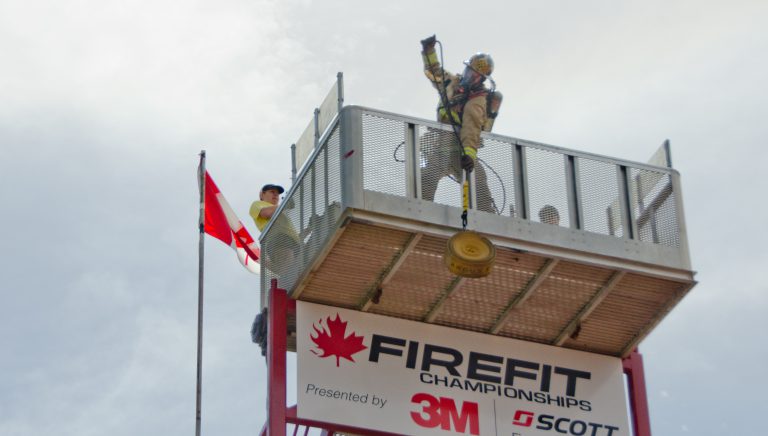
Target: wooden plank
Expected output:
[397,261]
[535,282]
[589,307]
[631,345]
[455,285]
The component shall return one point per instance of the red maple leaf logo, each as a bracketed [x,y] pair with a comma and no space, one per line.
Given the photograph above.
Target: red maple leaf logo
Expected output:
[331,341]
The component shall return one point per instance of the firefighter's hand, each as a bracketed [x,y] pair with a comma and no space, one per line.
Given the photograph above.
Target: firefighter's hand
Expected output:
[428,43]
[467,163]
[468,158]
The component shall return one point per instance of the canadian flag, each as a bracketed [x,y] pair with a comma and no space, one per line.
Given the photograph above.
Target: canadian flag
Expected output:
[222,223]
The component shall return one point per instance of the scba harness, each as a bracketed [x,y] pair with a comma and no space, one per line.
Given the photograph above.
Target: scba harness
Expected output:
[458,101]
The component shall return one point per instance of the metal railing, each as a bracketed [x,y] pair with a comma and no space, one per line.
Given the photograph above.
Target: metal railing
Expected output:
[366,153]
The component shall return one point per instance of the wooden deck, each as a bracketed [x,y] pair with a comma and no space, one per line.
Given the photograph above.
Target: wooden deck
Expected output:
[529,296]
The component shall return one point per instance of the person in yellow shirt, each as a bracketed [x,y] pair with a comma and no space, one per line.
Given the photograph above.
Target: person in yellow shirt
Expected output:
[284,247]
[263,209]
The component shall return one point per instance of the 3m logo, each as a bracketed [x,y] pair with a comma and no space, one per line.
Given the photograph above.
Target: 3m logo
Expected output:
[523,418]
[444,413]
[331,341]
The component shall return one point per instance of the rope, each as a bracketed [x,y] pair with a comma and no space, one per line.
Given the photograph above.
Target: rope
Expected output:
[465,202]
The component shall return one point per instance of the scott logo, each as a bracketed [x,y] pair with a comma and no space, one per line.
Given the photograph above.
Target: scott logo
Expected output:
[331,341]
[523,418]
[568,426]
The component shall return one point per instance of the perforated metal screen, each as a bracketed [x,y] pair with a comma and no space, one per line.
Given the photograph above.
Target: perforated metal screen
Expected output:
[382,138]
[599,189]
[307,220]
[496,160]
[654,207]
[559,187]
[595,193]
[547,190]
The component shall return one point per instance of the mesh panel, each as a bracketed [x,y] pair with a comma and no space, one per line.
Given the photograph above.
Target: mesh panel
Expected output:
[440,167]
[381,171]
[320,220]
[599,197]
[495,159]
[281,244]
[329,108]
[305,144]
[546,186]
[654,207]
[313,211]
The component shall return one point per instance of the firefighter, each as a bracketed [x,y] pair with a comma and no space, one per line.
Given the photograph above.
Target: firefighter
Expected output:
[470,107]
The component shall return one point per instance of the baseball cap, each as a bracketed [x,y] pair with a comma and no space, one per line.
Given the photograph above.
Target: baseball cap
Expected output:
[269,186]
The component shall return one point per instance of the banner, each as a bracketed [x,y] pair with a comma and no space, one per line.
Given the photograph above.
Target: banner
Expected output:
[407,377]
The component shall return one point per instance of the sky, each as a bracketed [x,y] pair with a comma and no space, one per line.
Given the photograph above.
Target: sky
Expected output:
[105,106]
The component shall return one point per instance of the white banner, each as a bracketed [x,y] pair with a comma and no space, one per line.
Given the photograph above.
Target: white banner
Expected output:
[407,377]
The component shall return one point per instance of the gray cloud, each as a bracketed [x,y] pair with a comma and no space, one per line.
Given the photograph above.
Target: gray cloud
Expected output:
[106,105]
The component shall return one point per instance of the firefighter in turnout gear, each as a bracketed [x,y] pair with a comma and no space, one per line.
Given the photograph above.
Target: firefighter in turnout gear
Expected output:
[470,108]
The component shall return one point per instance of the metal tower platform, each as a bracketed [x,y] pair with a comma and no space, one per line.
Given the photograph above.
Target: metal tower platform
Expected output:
[356,232]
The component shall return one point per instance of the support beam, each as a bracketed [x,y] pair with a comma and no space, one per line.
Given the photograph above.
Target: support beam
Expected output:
[276,360]
[638,398]
[535,282]
[397,261]
[454,286]
[589,307]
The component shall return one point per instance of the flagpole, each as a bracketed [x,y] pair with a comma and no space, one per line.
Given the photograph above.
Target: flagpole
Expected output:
[201,249]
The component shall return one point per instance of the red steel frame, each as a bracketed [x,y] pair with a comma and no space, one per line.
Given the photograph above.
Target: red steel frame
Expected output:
[279,414]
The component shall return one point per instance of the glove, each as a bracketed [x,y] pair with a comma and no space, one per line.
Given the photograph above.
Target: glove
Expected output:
[468,159]
[467,163]
[428,43]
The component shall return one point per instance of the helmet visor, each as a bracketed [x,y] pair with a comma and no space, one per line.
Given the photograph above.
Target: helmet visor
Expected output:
[470,77]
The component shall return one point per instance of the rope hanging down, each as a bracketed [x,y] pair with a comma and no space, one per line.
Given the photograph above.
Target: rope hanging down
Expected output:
[465,202]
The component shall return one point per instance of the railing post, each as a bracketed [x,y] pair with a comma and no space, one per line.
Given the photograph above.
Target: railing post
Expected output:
[316,119]
[668,152]
[625,203]
[326,181]
[277,345]
[575,215]
[340,90]
[352,157]
[412,168]
[521,182]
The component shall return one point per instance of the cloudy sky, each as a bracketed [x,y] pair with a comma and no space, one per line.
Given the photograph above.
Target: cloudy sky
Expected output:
[105,105]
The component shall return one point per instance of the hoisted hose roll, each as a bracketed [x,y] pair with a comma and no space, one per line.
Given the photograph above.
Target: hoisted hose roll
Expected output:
[469,254]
